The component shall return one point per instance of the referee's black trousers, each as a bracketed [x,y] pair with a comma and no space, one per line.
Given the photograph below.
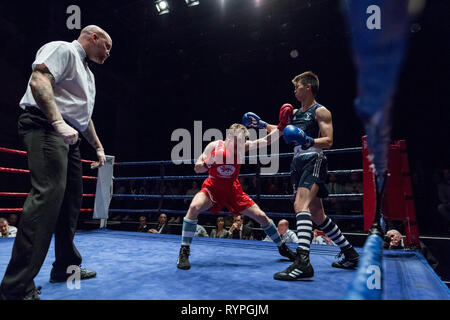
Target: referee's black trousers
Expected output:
[52,206]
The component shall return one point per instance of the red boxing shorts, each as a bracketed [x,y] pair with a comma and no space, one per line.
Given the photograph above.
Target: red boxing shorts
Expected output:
[226,194]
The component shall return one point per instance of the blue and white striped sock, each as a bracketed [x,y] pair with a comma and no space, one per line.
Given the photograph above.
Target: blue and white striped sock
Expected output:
[304,229]
[189,228]
[272,231]
[335,234]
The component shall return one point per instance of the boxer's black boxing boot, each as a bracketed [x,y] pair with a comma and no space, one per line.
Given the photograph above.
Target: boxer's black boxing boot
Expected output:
[300,269]
[285,251]
[349,261]
[183,258]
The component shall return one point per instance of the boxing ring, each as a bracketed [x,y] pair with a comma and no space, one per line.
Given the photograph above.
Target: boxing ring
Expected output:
[142,266]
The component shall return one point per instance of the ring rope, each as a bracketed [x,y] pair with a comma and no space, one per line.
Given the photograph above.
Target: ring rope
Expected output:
[262,196]
[201,177]
[24,153]
[13,170]
[225,213]
[21,209]
[24,194]
[190,161]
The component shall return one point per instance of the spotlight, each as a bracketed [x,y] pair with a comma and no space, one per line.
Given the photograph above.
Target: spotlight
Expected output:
[294,54]
[192,3]
[162,6]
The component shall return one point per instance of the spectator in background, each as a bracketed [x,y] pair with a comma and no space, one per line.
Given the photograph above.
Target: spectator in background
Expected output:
[7,231]
[201,232]
[118,203]
[393,240]
[12,220]
[321,238]
[131,203]
[355,185]
[240,231]
[444,195]
[143,189]
[333,185]
[143,227]
[133,187]
[220,231]
[287,235]
[228,221]
[162,226]
[192,191]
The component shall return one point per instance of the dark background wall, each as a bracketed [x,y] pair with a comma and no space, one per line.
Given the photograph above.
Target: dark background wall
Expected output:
[213,63]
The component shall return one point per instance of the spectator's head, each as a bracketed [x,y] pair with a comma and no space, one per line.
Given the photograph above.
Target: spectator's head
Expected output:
[239,220]
[318,233]
[194,184]
[395,239]
[12,219]
[162,218]
[332,177]
[142,220]
[3,226]
[220,222]
[283,226]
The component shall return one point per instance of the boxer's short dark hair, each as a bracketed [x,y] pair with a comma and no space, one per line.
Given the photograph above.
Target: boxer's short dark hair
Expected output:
[310,78]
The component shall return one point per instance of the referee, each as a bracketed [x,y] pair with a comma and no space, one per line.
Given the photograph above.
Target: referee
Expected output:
[58,105]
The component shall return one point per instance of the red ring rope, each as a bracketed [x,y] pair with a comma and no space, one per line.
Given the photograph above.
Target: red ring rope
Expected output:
[20,210]
[22,194]
[24,153]
[28,171]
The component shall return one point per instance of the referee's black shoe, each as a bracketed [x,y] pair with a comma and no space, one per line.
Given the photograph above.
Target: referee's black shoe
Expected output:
[33,294]
[300,269]
[83,274]
[286,252]
[183,258]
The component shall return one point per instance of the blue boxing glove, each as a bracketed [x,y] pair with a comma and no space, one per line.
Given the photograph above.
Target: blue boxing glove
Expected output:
[251,120]
[295,135]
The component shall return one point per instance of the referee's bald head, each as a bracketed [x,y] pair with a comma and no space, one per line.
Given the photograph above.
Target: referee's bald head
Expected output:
[89,30]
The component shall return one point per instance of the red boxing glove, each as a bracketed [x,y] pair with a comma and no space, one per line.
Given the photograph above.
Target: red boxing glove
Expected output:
[286,112]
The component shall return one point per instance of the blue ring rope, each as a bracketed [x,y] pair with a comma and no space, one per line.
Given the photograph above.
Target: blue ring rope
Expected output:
[191,161]
[225,213]
[201,177]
